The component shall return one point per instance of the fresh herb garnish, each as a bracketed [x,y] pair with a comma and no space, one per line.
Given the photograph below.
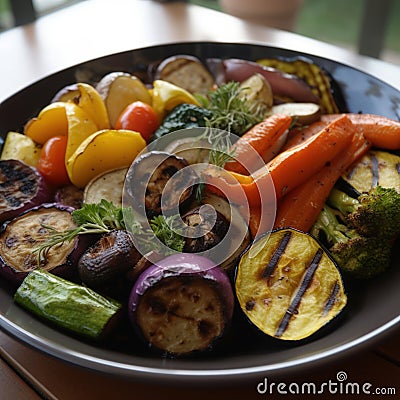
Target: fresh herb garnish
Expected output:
[231,111]
[168,232]
[104,217]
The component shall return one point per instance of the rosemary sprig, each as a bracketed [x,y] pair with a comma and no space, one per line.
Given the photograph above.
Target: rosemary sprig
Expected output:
[104,217]
[231,111]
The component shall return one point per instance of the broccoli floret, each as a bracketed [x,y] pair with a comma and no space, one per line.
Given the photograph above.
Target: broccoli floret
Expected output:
[362,257]
[376,213]
[358,255]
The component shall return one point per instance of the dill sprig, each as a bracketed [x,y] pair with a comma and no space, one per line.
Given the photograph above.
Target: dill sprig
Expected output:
[231,110]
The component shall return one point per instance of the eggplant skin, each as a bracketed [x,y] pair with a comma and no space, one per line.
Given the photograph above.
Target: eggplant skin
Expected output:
[200,234]
[288,286]
[105,266]
[151,185]
[183,306]
[21,188]
[20,236]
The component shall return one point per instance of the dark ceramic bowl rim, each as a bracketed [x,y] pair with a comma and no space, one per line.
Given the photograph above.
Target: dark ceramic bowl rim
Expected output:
[46,339]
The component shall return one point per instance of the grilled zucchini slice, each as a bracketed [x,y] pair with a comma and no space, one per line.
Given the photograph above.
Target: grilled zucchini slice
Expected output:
[375,168]
[288,286]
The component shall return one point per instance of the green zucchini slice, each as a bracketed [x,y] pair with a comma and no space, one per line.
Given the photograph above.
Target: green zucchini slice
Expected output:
[375,168]
[288,286]
[68,305]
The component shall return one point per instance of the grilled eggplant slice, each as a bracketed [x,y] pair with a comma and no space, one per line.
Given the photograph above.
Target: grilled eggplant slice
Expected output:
[182,305]
[149,182]
[104,267]
[22,235]
[205,229]
[288,286]
[239,235]
[21,187]
[107,186]
[187,72]
[375,168]
[69,196]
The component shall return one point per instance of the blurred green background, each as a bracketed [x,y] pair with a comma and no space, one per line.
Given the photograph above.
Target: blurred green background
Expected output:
[336,22]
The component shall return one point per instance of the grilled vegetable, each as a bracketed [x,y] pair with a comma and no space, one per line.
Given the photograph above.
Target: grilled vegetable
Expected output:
[302,113]
[104,266]
[149,179]
[20,147]
[256,88]
[194,150]
[359,232]
[118,89]
[166,96]
[259,144]
[375,168]
[183,116]
[318,80]
[238,236]
[300,207]
[288,286]
[284,85]
[139,117]
[382,132]
[20,237]
[103,151]
[21,188]
[106,186]
[205,229]
[182,304]
[69,196]
[186,71]
[68,305]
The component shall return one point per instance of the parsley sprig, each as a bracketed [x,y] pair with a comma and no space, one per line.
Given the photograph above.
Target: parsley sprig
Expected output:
[104,217]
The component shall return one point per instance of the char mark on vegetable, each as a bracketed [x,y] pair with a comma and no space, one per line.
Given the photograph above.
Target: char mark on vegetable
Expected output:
[277,255]
[302,289]
[331,299]
[374,170]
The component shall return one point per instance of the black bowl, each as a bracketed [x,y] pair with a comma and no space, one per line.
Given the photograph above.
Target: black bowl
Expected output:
[372,311]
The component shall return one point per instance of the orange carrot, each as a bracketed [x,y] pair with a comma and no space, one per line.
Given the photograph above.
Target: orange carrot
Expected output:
[300,208]
[286,171]
[295,166]
[300,135]
[381,131]
[259,144]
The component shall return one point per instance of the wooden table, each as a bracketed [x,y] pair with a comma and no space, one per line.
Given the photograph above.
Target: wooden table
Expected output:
[94,28]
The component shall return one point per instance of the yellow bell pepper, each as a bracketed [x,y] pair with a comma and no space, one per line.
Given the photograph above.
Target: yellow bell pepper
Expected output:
[166,96]
[103,151]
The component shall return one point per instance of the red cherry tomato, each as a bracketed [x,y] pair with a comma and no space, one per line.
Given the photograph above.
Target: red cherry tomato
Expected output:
[51,163]
[139,117]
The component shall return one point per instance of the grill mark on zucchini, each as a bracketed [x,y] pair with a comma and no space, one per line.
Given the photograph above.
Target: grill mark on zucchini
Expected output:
[331,299]
[397,166]
[305,283]
[277,255]
[374,170]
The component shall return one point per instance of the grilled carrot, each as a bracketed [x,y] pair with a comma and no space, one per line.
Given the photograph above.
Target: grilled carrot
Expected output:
[286,171]
[381,131]
[259,144]
[296,165]
[300,135]
[300,208]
